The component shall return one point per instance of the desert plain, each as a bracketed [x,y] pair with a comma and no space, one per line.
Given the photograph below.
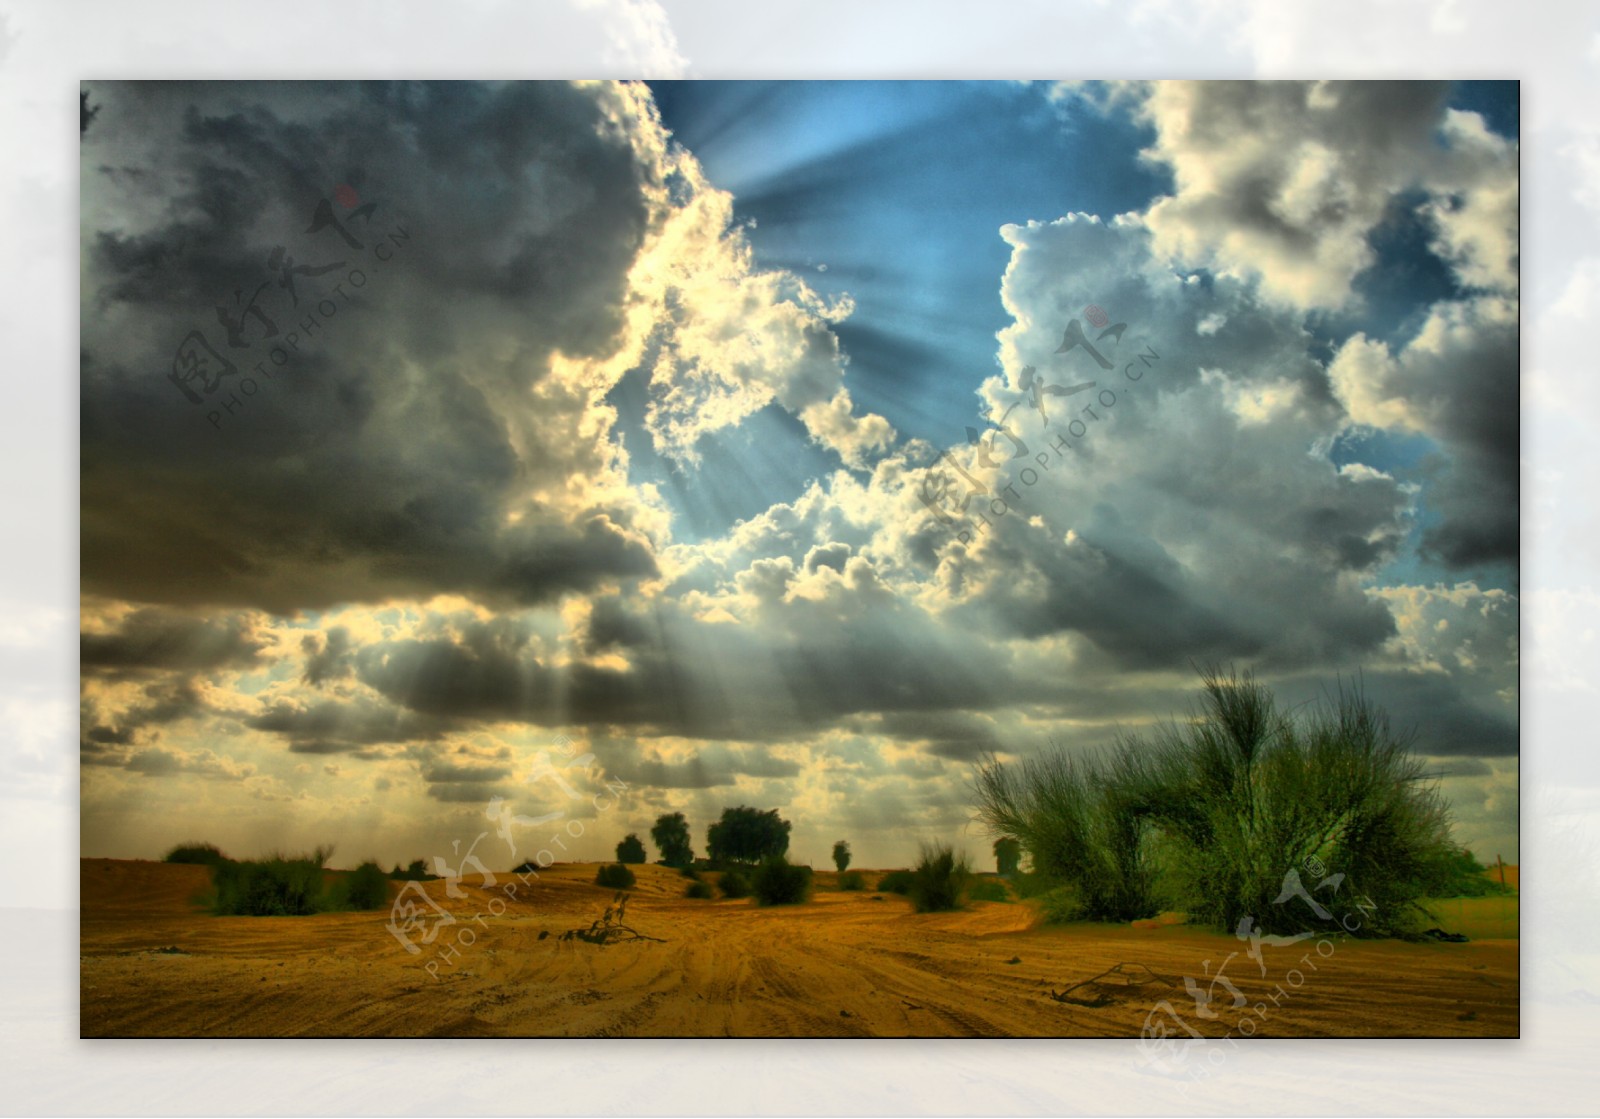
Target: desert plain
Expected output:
[156,963]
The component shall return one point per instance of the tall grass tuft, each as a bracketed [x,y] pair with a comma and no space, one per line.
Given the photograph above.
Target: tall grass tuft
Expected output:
[939,880]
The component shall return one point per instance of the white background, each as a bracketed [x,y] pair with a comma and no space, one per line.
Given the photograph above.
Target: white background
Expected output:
[46,48]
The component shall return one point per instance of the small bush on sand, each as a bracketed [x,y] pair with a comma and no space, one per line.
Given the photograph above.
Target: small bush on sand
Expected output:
[276,886]
[365,887]
[417,871]
[780,882]
[614,876]
[195,854]
[697,889]
[940,879]
[988,889]
[733,884]
[852,880]
[895,882]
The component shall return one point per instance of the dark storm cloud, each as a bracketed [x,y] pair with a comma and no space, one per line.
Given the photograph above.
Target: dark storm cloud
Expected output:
[1479,414]
[154,639]
[104,738]
[383,458]
[338,726]
[1441,717]
[449,773]
[470,792]
[327,656]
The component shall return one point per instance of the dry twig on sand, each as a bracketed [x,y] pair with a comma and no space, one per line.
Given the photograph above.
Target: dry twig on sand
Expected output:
[1113,985]
[609,929]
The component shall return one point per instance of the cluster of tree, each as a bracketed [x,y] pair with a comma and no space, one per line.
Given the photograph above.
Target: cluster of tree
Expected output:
[1209,816]
[743,835]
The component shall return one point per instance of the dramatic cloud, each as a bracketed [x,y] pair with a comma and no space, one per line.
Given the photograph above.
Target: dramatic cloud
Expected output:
[425,566]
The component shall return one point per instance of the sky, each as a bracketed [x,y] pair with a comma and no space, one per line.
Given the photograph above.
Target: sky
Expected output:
[493,468]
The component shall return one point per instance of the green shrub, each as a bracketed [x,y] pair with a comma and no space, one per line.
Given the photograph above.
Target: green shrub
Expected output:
[987,889]
[780,882]
[733,884]
[614,876]
[1059,906]
[195,854]
[1211,816]
[698,889]
[416,872]
[939,880]
[895,882]
[852,880]
[630,849]
[365,887]
[276,886]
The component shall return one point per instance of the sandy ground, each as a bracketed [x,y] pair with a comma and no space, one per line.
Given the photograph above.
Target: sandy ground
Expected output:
[153,964]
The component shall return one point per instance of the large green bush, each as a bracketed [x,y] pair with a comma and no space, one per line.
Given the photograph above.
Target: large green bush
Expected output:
[779,882]
[276,886]
[1210,816]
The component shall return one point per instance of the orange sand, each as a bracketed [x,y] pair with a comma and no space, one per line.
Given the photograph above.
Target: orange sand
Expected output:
[845,965]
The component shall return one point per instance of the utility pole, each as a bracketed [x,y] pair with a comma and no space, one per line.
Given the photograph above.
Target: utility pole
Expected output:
[1502,867]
